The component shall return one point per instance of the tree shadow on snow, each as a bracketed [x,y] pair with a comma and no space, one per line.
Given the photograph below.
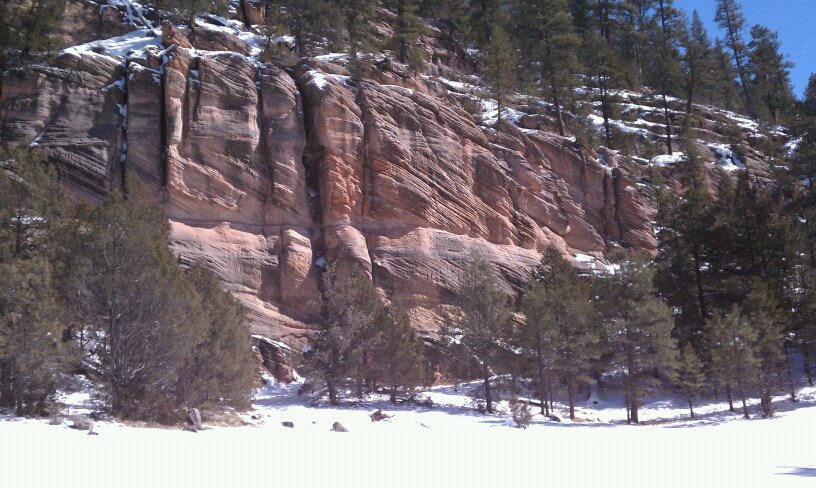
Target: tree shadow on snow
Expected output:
[807,472]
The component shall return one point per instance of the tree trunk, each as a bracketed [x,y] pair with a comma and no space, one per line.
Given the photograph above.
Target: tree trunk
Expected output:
[488,393]
[691,406]
[806,363]
[633,409]
[628,410]
[765,406]
[554,86]
[605,110]
[698,278]
[689,97]
[559,117]
[571,396]
[542,381]
[742,397]
[730,399]
[668,124]
[332,390]
[791,382]
[732,36]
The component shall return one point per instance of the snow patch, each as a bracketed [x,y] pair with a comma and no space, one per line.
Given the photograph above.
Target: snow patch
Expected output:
[667,159]
[120,46]
[320,80]
[727,159]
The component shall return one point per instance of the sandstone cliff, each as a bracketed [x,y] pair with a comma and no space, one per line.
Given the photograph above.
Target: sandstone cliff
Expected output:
[267,174]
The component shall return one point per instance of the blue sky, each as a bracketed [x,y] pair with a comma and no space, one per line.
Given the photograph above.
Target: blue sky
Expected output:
[795,20]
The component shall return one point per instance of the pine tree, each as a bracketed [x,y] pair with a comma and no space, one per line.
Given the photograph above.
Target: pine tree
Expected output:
[32,355]
[769,72]
[668,72]
[684,262]
[598,29]
[407,31]
[732,349]
[499,67]
[690,376]
[697,62]
[314,24]
[560,335]
[26,30]
[725,89]
[551,46]
[359,18]
[187,10]
[137,305]
[481,321]
[29,201]
[221,368]
[483,17]
[730,18]
[762,314]
[397,353]
[338,358]
[641,23]
[638,327]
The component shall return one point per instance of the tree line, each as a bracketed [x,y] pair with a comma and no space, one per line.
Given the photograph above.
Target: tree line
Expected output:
[96,291]
[724,310]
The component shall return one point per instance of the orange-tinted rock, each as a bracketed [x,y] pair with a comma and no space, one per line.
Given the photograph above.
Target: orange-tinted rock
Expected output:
[265,176]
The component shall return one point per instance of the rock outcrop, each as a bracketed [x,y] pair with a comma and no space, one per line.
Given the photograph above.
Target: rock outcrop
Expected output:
[267,175]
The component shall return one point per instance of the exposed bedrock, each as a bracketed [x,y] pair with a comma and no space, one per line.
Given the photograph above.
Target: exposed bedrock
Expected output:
[266,175]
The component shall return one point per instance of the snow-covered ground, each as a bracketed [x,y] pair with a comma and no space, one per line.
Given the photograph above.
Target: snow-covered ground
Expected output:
[449,445]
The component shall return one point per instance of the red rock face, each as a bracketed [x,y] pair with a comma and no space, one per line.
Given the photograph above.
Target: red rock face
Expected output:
[266,175]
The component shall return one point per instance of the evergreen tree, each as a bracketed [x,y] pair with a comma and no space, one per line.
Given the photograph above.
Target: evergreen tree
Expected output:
[498,66]
[769,72]
[638,327]
[26,30]
[551,46]
[32,354]
[697,62]
[30,200]
[359,16]
[804,166]
[33,357]
[221,368]
[684,262]
[560,334]
[481,321]
[690,376]
[667,74]
[725,89]
[397,354]
[338,359]
[729,17]
[732,349]
[483,17]
[407,31]
[187,10]
[137,305]
[313,23]
[641,24]
[599,35]
[762,314]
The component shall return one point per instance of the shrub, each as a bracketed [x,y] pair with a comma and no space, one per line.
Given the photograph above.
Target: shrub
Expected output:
[521,412]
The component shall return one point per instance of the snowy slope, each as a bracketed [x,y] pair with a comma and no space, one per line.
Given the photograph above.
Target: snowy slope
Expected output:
[447,446]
